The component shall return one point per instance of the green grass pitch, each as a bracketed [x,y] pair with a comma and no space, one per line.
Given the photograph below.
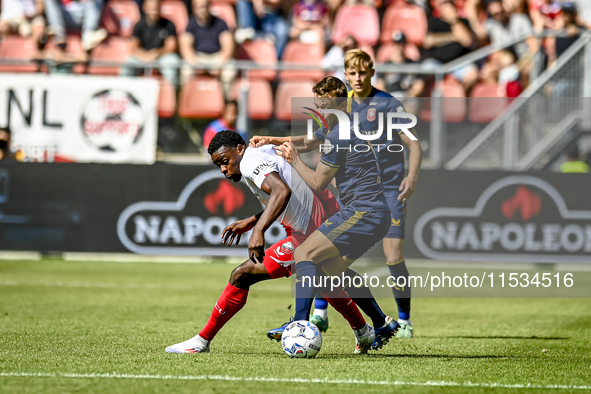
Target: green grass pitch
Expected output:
[103,327]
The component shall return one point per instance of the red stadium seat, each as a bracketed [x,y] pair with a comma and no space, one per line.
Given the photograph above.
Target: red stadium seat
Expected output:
[410,51]
[453,103]
[166,99]
[113,50]
[359,21]
[296,52]
[120,17]
[285,91]
[176,12]
[74,50]
[201,97]
[409,19]
[17,48]
[260,51]
[260,98]
[369,50]
[225,12]
[486,102]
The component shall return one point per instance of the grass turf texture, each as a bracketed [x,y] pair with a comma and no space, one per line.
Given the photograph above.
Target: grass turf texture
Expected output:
[68,317]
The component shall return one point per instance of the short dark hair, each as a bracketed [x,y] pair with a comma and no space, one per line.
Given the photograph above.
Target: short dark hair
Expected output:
[231,102]
[225,139]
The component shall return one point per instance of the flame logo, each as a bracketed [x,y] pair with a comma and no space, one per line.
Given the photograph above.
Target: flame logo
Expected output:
[317,117]
[527,202]
[227,195]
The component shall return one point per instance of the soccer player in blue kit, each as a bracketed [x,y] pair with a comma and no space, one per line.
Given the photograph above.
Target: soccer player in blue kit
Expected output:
[364,218]
[368,102]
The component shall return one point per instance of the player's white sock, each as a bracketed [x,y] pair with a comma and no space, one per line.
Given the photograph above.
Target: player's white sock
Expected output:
[323,313]
[405,321]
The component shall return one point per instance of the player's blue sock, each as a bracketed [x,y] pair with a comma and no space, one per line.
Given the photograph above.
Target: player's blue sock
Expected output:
[304,289]
[320,302]
[401,294]
[364,299]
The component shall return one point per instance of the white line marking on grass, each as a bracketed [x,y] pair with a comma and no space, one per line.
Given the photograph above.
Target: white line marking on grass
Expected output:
[291,380]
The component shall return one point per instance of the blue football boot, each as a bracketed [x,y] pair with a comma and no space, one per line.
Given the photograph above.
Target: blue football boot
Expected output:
[275,333]
[383,334]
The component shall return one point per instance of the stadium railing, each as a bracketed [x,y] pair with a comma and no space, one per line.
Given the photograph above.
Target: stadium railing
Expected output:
[541,122]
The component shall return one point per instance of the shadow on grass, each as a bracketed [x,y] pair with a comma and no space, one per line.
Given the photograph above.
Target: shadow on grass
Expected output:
[427,356]
[497,337]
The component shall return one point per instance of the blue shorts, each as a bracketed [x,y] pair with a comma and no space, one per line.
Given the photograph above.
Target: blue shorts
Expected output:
[398,215]
[355,232]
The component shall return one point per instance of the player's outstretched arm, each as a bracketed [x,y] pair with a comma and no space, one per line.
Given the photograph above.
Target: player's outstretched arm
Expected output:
[301,142]
[236,229]
[279,194]
[317,180]
[407,186]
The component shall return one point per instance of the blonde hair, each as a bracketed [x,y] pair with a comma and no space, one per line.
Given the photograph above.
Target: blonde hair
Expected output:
[330,84]
[357,58]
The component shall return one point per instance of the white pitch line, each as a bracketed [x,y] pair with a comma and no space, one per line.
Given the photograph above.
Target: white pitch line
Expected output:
[290,380]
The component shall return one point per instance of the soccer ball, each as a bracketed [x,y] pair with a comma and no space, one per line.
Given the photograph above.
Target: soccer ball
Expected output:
[301,339]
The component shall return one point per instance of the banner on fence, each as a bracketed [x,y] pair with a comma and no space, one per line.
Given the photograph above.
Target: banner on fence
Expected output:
[75,118]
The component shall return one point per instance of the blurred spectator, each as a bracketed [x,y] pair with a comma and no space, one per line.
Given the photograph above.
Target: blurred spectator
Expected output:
[83,15]
[265,17]
[573,163]
[24,17]
[448,38]
[543,14]
[503,26]
[584,12]
[207,41]
[154,41]
[569,31]
[226,122]
[335,57]
[5,152]
[310,21]
[400,84]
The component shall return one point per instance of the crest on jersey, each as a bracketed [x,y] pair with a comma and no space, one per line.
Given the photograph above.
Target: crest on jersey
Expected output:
[287,248]
[371,114]
[327,147]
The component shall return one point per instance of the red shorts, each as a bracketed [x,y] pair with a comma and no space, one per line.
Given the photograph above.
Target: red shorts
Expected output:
[279,257]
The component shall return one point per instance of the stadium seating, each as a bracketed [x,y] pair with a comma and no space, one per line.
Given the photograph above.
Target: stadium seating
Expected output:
[297,52]
[486,103]
[285,91]
[225,12]
[360,21]
[260,98]
[74,50]
[409,19]
[17,48]
[176,12]
[120,17]
[166,99]
[201,97]
[410,51]
[114,50]
[369,50]
[259,51]
[453,102]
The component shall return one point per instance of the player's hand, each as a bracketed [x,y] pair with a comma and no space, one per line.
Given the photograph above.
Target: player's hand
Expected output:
[256,247]
[258,140]
[407,188]
[235,231]
[289,152]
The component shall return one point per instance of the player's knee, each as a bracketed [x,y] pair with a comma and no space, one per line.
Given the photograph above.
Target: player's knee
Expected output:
[394,257]
[243,275]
